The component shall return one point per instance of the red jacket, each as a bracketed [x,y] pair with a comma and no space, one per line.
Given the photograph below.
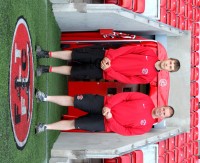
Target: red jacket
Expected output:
[131,113]
[131,64]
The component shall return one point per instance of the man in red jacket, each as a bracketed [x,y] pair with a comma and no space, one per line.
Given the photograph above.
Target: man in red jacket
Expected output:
[127,64]
[130,113]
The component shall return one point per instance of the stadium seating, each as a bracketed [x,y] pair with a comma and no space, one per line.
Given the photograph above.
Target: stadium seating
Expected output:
[188,150]
[194,89]
[184,14]
[170,144]
[170,157]
[195,31]
[111,1]
[133,157]
[195,145]
[161,159]
[194,104]
[194,120]
[195,44]
[196,2]
[138,6]
[188,24]
[163,15]
[179,140]
[163,3]
[179,154]
[196,14]
[195,133]
[161,147]
[194,75]
[134,5]
[180,23]
[194,59]
[126,4]
[180,7]
[188,11]
[171,18]
[171,5]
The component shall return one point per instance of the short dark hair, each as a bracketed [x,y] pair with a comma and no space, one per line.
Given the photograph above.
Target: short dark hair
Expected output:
[172,113]
[177,64]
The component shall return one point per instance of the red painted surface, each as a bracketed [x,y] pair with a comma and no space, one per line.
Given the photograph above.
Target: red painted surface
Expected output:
[21,83]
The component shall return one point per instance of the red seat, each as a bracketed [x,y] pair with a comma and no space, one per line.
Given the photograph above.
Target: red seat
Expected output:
[180,7]
[194,104]
[188,1]
[126,158]
[111,1]
[138,6]
[188,137]
[195,145]
[196,14]
[187,160]
[195,31]
[195,133]
[194,119]
[195,44]
[171,5]
[194,75]
[128,4]
[161,147]
[135,5]
[179,140]
[170,157]
[194,59]
[163,3]
[179,155]
[188,24]
[180,22]
[196,3]
[121,159]
[163,15]
[112,160]
[170,144]
[137,156]
[194,89]
[161,159]
[188,11]
[194,159]
[188,150]
[171,19]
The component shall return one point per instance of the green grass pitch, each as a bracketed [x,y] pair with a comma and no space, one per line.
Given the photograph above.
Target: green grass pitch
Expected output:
[45,32]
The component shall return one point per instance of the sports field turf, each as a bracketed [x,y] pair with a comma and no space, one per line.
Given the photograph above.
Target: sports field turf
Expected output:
[45,32]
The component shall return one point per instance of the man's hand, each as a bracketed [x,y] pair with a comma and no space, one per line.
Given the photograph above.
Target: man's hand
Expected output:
[105,63]
[106,112]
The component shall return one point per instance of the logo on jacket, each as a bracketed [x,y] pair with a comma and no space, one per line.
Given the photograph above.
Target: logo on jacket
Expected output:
[145,71]
[79,97]
[162,82]
[143,122]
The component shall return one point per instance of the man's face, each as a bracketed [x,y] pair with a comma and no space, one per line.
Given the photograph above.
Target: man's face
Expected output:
[163,112]
[167,65]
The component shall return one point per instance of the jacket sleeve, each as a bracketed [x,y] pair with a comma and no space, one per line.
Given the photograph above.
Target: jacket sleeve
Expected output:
[126,131]
[140,79]
[139,50]
[125,96]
